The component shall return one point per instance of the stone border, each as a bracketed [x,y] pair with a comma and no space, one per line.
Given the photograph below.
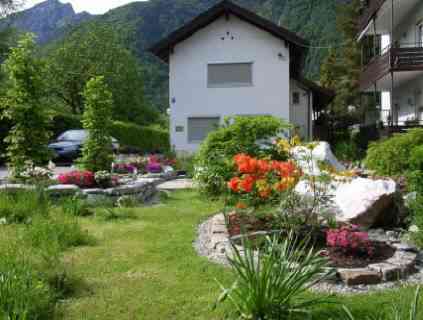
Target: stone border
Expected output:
[142,188]
[402,268]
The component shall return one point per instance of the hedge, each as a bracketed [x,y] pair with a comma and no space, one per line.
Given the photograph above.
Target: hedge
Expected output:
[130,135]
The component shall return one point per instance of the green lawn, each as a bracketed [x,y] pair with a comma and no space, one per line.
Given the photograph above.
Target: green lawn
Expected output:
[147,269]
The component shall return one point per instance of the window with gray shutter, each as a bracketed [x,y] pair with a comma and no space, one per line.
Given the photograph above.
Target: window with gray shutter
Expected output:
[199,128]
[230,75]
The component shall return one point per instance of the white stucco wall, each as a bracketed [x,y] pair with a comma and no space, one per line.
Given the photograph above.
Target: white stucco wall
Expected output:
[189,94]
[406,32]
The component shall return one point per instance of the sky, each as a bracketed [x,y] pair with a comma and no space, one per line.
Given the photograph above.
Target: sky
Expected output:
[92,6]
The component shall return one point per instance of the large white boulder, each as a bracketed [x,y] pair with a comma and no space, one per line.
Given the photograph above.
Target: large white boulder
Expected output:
[360,201]
[309,160]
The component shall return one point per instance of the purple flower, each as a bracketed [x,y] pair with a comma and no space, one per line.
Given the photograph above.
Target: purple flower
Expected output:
[154,167]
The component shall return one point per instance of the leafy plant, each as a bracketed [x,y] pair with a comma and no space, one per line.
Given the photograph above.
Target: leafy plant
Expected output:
[24,107]
[392,156]
[24,293]
[77,207]
[23,206]
[248,135]
[97,152]
[112,214]
[270,283]
[413,312]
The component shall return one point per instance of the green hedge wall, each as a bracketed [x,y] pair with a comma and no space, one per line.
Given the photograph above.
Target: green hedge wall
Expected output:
[129,135]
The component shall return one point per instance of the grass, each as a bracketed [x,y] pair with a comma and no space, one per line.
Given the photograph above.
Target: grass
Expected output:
[146,268]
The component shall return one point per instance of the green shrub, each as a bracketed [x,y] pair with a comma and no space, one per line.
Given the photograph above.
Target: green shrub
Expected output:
[111,214]
[416,158]
[271,283]
[392,156]
[97,154]
[186,163]
[143,139]
[346,151]
[24,293]
[22,206]
[58,230]
[77,207]
[417,220]
[237,135]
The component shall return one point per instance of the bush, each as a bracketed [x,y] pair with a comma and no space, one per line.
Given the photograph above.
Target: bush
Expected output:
[24,293]
[392,156]
[143,139]
[22,206]
[76,207]
[417,220]
[97,153]
[416,159]
[246,135]
[57,229]
[271,283]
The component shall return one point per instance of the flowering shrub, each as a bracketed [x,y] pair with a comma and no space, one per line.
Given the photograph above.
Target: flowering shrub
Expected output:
[350,240]
[258,181]
[154,167]
[83,179]
[34,174]
[124,168]
[105,179]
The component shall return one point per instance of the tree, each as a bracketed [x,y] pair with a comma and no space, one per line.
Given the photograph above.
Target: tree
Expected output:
[92,50]
[341,69]
[23,107]
[97,152]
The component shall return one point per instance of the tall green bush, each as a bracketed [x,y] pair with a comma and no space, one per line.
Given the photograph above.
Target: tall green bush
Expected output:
[24,107]
[97,152]
[392,156]
[237,135]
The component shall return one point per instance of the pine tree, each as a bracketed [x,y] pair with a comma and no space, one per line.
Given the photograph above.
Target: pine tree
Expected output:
[97,154]
[23,106]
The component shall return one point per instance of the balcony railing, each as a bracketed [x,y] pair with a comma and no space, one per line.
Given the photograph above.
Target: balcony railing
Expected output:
[389,121]
[368,12]
[407,57]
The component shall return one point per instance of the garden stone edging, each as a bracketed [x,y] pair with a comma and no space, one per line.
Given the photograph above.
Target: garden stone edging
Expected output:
[405,266]
[143,188]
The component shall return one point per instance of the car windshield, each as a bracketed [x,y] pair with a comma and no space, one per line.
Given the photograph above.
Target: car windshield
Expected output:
[73,135]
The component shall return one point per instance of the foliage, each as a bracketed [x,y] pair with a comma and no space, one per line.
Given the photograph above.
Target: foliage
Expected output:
[77,207]
[105,179]
[122,213]
[350,240]
[96,49]
[270,283]
[23,106]
[392,156]
[416,158]
[61,230]
[144,139]
[24,294]
[246,135]
[83,179]
[417,219]
[62,122]
[97,154]
[23,206]
[395,314]
[186,163]
[124,168]
[260,181]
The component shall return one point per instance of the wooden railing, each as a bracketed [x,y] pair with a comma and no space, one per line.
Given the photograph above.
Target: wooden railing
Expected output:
[368,12]
[394,59]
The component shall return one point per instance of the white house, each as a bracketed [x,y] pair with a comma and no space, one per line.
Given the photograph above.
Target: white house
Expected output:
[229,61]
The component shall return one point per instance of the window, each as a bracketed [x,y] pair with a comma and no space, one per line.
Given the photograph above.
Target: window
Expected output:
[295,97]
[229,75]
[199,128]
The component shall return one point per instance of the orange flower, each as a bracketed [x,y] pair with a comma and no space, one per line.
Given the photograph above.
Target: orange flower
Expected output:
[265,193]
[263,166]
[233,184]
[241,205]
[280,186]
[247,183]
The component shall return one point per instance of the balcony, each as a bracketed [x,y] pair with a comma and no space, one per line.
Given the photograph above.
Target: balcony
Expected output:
[405,58]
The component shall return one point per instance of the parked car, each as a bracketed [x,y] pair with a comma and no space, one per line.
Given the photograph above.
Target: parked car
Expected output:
[69,144]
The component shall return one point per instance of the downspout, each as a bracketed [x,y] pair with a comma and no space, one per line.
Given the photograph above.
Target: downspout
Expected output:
[309,117]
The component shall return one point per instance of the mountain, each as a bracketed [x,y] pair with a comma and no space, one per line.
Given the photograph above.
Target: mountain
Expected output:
[49,20]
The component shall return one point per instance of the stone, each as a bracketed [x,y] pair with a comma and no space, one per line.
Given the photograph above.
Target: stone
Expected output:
[354,277]
[406,261]
[93,191]
[389,271]
[405,247]
[321,153]
[61,190]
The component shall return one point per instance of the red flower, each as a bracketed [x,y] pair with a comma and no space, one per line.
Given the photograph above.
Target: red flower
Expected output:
[263,166]
[247,183]
[233,184]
